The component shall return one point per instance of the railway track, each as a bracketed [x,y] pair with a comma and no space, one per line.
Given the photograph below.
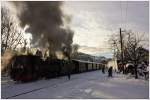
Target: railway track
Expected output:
[37,89]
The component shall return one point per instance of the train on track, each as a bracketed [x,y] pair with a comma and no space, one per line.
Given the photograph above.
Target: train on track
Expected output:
[30,67]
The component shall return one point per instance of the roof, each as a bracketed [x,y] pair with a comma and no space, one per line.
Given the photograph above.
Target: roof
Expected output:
[82,61]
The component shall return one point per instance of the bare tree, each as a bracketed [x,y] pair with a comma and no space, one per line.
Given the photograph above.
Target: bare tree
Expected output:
[11,37]
[132,49]
[132,44]
[115,45]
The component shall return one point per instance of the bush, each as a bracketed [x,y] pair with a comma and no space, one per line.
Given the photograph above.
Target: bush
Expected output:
[6,60]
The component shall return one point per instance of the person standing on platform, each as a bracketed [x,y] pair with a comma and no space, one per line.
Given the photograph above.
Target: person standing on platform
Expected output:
[103,69]
[68,71]
[110,71]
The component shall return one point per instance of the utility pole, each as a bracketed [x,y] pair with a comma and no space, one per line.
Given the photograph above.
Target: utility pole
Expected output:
[121,43]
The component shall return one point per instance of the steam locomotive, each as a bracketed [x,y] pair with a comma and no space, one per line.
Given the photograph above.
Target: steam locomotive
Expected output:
[30,67]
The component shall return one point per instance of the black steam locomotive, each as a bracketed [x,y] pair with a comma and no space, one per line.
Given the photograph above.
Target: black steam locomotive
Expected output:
[29,67]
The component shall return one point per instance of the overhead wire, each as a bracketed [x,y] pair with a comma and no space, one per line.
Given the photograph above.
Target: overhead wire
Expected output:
[124,20]
[126,17]
[121,14]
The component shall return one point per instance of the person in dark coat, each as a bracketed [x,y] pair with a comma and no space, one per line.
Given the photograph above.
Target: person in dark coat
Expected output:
[103,69]
[110,71]
[69,75]
[68,71]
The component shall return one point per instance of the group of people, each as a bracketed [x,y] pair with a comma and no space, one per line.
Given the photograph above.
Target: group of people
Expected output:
[142,70]
[110,71]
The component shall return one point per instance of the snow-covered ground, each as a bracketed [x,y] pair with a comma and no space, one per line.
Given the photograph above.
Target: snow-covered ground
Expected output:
[85,85]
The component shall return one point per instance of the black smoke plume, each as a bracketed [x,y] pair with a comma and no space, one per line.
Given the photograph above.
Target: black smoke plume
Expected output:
[45,22]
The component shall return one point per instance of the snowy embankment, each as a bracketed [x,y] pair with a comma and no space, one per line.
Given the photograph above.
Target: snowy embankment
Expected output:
[85,85]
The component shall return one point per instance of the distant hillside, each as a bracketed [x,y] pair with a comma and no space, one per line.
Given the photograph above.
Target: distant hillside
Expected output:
[87,57]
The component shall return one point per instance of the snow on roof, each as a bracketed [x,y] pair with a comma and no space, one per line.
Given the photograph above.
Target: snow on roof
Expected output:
[82,61]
